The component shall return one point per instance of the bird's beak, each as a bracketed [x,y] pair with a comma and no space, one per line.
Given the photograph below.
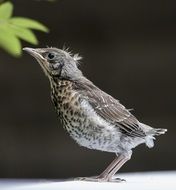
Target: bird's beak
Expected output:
[31,51]
[34,52]
[37,54]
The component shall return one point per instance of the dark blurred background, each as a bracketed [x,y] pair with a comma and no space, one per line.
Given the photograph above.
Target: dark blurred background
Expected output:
[129,50]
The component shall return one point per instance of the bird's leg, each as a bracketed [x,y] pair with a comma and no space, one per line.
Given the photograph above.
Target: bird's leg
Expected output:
[110,175]
[102,176]
[122,159]
[110,171]
[111,166]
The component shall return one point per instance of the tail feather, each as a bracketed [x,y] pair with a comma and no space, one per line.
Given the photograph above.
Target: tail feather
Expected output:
[151,133]
[156,132]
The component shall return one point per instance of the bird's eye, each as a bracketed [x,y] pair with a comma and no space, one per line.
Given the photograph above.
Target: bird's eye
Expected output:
[51,56]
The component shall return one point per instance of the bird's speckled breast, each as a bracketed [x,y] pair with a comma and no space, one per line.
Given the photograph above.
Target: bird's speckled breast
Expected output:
[67,105]
[65,99]
[73,117]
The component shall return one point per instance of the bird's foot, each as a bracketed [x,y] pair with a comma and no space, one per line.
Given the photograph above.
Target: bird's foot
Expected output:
[93,179]
[117,180]
[100,179]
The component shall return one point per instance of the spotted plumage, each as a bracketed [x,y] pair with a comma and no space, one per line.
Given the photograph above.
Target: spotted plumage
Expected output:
[92,118]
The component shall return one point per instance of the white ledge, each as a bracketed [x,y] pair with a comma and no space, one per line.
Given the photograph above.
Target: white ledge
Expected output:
[141,181]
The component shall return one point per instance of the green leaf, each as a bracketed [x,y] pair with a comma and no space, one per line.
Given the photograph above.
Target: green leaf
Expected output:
[28,23]
[24,34]
[12,29]
[9,42]
[6,10]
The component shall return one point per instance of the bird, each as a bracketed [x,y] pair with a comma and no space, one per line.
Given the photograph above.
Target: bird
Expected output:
[93,118]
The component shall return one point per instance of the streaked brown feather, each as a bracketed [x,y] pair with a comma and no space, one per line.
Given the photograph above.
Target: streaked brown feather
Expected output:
[110,109]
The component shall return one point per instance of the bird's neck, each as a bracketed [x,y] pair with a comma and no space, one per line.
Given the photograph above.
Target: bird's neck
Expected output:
[58,86]
[56,81]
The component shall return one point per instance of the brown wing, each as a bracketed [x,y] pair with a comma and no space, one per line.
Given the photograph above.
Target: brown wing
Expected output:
[110,109]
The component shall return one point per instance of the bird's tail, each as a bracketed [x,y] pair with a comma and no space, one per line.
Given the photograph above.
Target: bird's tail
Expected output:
[151,133]
[156,132]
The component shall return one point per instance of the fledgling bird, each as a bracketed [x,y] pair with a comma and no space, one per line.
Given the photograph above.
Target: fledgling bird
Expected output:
[92,118]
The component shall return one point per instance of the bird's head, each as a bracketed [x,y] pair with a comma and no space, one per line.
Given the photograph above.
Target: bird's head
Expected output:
[56,62]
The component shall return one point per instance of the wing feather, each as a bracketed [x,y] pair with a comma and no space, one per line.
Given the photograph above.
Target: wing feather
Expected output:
[110,109]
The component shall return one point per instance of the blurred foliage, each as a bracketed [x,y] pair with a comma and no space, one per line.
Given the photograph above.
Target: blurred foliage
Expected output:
[14,29]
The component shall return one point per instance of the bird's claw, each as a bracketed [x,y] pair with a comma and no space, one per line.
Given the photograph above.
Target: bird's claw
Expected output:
[99,179]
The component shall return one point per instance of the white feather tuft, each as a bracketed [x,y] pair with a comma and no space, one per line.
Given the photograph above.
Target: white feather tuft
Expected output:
[149,141]
[76,57]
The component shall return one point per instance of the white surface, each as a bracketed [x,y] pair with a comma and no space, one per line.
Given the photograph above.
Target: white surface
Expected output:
[141,181]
